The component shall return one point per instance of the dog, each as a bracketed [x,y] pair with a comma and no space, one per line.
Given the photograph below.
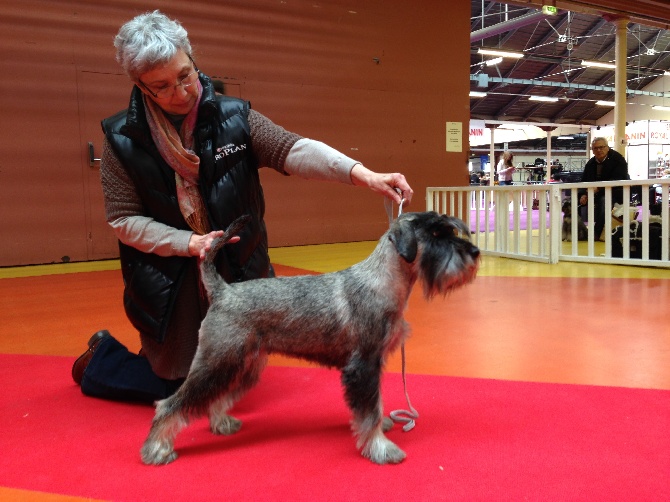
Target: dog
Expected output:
[582,231]
[351,320]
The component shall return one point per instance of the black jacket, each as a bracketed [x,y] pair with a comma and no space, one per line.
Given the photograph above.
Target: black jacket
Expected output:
[229,185]
[614,168]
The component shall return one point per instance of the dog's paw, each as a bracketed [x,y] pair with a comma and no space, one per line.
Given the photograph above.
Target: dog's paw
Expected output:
[381,450]
[156,453]
[225,425]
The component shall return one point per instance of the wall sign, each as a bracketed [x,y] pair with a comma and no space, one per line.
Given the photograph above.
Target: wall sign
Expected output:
[454,136]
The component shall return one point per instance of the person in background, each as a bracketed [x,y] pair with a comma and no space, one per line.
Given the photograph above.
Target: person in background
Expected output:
[605,165]
[178,166]
[505,168]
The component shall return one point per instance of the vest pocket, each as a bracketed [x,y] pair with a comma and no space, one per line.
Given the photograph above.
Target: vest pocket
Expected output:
[151,286]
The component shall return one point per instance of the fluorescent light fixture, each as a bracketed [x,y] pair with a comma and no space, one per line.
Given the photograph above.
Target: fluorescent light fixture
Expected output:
[598,64]
[477,94]
[565,137]
[491,62]
[666,73]
[542,98]
[661,108]
[497,52]
[605,103]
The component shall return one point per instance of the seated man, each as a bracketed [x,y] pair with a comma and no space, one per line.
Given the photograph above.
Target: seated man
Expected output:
[605,165]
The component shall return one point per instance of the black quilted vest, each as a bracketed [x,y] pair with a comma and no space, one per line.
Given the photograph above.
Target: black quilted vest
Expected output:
[229,185]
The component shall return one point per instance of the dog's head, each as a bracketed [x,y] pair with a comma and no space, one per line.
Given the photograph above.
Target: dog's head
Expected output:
[439,247]
[567,207]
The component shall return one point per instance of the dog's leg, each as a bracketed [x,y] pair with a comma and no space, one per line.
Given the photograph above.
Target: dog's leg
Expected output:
[361,379]
[203,385]
[168,421]
[566,230]
[219,420]
[199,388]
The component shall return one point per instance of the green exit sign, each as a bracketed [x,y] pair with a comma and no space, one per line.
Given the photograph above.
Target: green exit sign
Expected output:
[549,10]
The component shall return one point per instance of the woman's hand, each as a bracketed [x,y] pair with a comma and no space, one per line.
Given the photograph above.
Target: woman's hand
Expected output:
[383,183]
[198,245]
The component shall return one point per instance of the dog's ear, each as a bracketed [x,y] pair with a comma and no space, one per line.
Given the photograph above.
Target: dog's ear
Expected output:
[402,236]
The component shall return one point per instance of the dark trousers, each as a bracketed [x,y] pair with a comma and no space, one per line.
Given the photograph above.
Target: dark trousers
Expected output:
[116,373]
[598,216]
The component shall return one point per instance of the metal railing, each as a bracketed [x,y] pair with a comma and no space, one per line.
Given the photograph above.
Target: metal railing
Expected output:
[526,221]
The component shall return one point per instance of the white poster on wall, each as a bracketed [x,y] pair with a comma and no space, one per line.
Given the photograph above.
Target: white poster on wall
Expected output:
[638,161]
[606,132]
[659,132]
[637,133]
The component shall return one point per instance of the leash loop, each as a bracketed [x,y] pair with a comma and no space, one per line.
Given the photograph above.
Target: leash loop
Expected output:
[408,417]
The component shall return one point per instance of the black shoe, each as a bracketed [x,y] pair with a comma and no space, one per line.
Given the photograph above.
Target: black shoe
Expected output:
[82,361]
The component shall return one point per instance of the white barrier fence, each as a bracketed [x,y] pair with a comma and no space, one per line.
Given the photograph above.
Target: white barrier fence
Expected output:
[526,221]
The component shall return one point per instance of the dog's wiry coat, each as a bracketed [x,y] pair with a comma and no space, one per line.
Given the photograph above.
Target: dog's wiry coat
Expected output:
[566,229]
[350,320]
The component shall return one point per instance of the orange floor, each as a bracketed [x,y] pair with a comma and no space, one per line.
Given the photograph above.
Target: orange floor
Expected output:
[565,323]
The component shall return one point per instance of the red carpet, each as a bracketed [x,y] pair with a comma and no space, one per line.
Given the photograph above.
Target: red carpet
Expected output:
[474,440]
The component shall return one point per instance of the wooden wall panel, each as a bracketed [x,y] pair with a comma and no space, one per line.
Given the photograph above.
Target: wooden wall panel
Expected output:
[376,79]
[390,130]
[41,206]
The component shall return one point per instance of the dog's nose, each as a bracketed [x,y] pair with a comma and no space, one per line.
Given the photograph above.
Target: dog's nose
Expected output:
[474,252]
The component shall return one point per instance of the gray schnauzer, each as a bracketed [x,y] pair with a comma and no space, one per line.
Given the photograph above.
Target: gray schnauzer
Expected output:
[582,231]
[350,320]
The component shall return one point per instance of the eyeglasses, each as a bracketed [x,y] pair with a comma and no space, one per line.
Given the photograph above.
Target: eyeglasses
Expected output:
[168,91]
[598,147]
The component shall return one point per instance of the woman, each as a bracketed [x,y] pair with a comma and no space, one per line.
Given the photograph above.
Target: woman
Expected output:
[177,167]
[505,169]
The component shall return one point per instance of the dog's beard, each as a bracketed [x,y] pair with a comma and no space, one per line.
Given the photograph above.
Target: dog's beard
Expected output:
[440,271]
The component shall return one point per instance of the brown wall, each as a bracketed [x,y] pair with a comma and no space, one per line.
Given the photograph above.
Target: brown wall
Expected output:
[376,79]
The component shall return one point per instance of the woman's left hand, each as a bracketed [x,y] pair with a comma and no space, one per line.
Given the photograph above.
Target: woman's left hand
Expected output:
[199,245]
[386,184]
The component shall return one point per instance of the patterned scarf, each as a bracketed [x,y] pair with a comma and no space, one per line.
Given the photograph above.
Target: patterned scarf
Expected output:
[177,150]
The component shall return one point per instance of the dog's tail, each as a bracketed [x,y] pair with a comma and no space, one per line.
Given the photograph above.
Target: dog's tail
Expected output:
[208,273]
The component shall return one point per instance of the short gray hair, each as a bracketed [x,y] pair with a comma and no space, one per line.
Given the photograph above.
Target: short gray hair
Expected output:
[599,138]
[149,40]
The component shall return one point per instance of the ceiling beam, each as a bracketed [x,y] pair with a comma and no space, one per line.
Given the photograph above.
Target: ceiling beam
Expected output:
[561,22]
[647,12]
[567,85]
[480,18]
[505,26]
